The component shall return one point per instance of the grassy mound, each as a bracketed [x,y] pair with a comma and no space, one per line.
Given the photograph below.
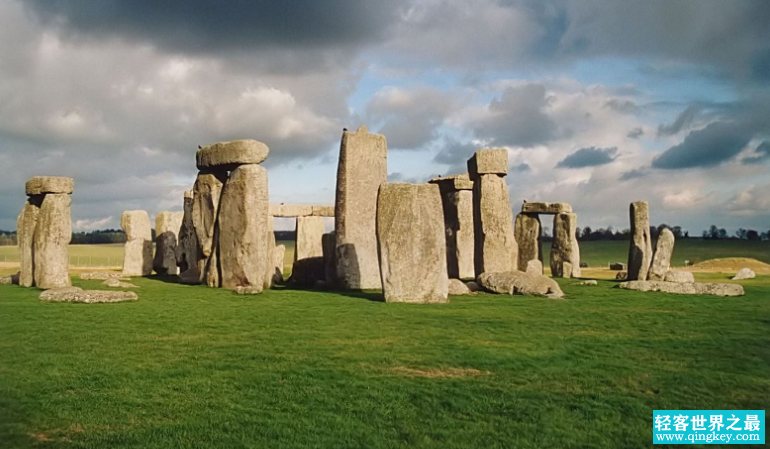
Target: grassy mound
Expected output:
[731,265]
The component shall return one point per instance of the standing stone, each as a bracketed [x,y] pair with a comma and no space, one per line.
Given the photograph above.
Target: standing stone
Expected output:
[640,252]
[457,202]
[167,227]
[363,166]
[329,242]
[52,238]
[496,249]
[410,235]
[279,254]
[25,235]
[137,257]
[527,235]
[187,251]
[269,268]
[242,244]
[534,266]
[207,193]
[308,264]
[565,251]
[661,260]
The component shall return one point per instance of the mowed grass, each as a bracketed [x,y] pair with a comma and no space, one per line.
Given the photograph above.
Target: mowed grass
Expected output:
[189,366]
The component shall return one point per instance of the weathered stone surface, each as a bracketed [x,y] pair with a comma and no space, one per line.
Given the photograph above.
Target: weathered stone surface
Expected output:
[410,235]
[308,264]
[117,283]
[685,288]
[243,245]
[52,238]
[744,273]
[100,275]
[527,234]
[617,266]
[49,184]
[546,208]
[458,287]
[329,242]
[587,282]
[488,162]
[534,266]
[26,225]
[137,253]
[520,283]
[495,249]
[207,193]
[458,225]
[279,254]
[187,252]
[679,276]
[229,155]
[640,251]
[167,227]
[661,260]
[363,166]
[300,210]
[75,294]
[247,290]
[565,251]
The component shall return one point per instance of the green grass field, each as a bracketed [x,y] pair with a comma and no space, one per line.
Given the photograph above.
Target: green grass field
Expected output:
[189,366]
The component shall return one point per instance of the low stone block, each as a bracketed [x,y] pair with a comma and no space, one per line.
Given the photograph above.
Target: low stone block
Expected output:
[229,155]
[520,283]
[76,294]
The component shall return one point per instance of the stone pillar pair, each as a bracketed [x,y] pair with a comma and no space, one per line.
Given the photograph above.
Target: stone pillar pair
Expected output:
[44,231]
[642,263]
[457,203]
[565,251]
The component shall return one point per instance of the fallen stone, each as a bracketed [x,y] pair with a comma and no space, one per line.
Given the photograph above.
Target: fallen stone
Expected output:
[40,185]
[744,273]
[679,276]
[76,294]
[526,232]
[546,208]
[117,283]
[230,155]
[640,251]
[488,162]
[587,282]
[410,235]
[137,253]
[101,275]
[534,266]
[520,283]
[685,288]
[243,244]
[661,260]
[458,287]
[617,266]
[565,250]
[51,243]
[363,167]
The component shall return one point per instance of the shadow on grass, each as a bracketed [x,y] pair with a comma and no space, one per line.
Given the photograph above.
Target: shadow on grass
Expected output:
[369,295]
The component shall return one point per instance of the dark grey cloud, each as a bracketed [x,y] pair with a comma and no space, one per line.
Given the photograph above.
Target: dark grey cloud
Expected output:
[634,174]
[589,157]
[635,133]
[518,118]
[683,121]
[716,143]
[763,154]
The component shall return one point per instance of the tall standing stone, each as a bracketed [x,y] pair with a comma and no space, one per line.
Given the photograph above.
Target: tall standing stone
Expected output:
[167,227]
[270,278]
[242,223]
[457,202]
[410,235]
[527,235]
[362,168]
[207,193]
[565,251]
[187,251]
[640,252]
[496,250]
[137,257]
[308,264]
[661,260]
[25,235]
[52,239]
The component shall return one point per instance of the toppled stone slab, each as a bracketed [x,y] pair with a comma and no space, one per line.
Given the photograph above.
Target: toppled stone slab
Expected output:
[520,283]
[40,185]
[679,276]
[458,287]
[685,288]
[101,275]
[617,266]
[117,283]
[76,294]
[744,273]
[488,162]
[546,208]
[229,155]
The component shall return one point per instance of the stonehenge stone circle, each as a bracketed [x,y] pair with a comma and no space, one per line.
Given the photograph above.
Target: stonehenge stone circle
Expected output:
[495,246]
[363,166]
[412,247]
[565,251]
[44,231]
[308,264]
[640,252]
[229,155]
[457,202]
[661,259]
[520,283]
[242,228]
[527,234]
[137,257]
[167,227]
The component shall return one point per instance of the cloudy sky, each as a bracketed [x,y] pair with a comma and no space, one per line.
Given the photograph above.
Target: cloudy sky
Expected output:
[599,103]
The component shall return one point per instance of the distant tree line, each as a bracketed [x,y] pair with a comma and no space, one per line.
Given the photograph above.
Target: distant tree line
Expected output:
[715,233]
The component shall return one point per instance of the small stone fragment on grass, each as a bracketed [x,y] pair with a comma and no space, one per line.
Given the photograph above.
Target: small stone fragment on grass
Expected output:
[520,283]
[458,287]
[587,282]
[117,283]
[77,294]
[744,273]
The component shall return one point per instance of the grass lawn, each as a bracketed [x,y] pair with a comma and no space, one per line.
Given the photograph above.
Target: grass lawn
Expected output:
[189,366]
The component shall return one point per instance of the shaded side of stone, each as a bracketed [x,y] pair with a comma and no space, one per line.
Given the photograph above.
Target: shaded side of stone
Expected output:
[308,264]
